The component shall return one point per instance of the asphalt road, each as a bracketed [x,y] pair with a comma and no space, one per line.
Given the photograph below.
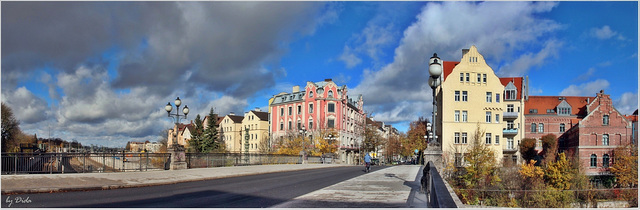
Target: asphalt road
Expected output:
[254,191]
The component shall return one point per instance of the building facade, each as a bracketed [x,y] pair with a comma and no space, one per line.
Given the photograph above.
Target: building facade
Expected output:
[257,125]
[472,97]
[231,132]
[318,109]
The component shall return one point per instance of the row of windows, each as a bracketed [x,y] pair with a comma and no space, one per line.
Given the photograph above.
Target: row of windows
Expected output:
[539,128]
[461,138]
[331,108]
[456,116]
[330,124]
[465,96]
[605,161]
[464,77]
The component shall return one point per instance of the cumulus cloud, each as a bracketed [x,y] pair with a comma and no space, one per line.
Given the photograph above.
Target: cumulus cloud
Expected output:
[627,103]
[349,58]
[27,107]
[585,89]
[497,29]
[605,33]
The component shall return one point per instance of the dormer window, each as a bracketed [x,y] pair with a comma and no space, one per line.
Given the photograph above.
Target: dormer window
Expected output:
[510,92]
[310,94]
[330,94]
[564,108]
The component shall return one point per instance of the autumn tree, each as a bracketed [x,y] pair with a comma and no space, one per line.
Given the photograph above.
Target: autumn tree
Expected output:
[326,142]
[392,147]
[372,139]
[558,174]
[549,148]
[10,129]
[528,149]
[264,146]
[415,136]
[481,167]
[625,166]
[291,144]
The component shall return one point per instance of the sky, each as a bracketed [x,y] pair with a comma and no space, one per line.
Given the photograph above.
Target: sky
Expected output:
[101,72]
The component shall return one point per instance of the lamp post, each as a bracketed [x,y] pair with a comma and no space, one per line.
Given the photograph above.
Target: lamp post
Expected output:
[303,132]
[435,70]
[177,150]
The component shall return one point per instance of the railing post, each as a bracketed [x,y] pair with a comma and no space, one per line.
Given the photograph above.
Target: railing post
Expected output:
[84,162]
[15,165]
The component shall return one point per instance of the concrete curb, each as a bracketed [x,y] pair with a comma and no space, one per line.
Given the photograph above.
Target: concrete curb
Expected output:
[241,172]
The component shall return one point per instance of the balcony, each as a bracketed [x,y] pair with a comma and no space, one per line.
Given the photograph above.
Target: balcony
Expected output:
[509,115]
[509,132]
[509,149]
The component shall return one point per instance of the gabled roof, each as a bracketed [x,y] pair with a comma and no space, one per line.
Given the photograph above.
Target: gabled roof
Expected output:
[517,81]
[263,116]
[542,103]
[236,118]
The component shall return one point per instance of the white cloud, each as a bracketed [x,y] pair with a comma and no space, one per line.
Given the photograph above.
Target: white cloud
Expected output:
[528,60]
[586,75]
[26,107]
[585,89]
[627,103]
[349,58]
[605,33]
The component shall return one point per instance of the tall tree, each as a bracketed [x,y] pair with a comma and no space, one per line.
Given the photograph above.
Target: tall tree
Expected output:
[196,142]
[415,136]
[211,141]
[372,139]
[549,148]
[625,166]
[10,129]
[528,149]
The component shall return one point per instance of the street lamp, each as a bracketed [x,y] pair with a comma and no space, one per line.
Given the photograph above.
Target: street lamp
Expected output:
[303,132]
[176,117]
[435,70]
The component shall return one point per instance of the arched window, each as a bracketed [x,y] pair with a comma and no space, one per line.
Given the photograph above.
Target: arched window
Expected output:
[561,127]
[330,94]
[605,139]
[541,128]
[594,160]
[605,120]
[310,94]
[605,161]
[534,127]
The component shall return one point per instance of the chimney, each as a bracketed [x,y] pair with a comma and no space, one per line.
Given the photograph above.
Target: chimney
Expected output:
[296,89]
[257,109]
[327,80]
[464,52]
[232,113]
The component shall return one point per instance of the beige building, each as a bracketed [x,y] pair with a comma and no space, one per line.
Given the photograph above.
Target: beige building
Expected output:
[472,96]
[233,131]
[183,134]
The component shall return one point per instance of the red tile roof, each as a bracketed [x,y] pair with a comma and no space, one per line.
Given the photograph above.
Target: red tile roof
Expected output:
[542,103]
[632,118]
[447,68]
[517,81]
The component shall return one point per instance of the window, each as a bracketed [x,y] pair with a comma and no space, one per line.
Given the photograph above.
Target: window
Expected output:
[310,108]
[564,110]
[510,108]
[456,118]
[497,139]
[464,116]
[541,128]
[330,94]
[281,126]
[290,125]
[461,77]
[605,120]
[489,97]
[487,117]
[533,111]
[457,138]
[510,92]
[509,125]
[594,161]
[310,124]
[561,127]
[299,125]
[330,123]
[551,111]
[310,94]
[457,95]
[331,107]
[478,74]
[605,161]
[282,111]
[458,159]
[484,78]
[488,138]
[290,109]
[467,77]
[464,138]
[510,143]
[605,139]
[464,96]
[497,97]
[299,109]
[534,128]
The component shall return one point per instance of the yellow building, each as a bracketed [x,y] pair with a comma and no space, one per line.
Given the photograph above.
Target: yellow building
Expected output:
[257,123]
[233,129]
[472,96]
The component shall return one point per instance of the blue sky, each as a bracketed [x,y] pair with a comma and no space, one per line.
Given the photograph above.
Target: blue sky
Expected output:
[101,72]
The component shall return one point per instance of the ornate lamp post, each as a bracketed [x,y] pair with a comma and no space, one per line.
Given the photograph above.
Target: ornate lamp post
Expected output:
[303,132]
[435,70]
[177,150]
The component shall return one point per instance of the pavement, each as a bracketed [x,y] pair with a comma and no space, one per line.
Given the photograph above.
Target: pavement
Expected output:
[390,187]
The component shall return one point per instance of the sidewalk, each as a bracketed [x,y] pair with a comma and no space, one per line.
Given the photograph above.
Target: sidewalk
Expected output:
[393,187]
[37,183]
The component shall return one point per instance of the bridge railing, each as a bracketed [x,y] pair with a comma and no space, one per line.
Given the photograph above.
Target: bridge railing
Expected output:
[50,163]
[439,193]
[208,160]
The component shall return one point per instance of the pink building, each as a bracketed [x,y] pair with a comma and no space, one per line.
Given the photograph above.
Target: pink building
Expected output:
[318,109]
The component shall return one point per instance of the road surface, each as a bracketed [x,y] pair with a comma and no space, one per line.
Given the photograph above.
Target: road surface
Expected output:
[254,191]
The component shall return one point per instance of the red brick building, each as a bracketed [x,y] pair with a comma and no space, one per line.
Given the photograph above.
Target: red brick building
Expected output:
[589,127]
